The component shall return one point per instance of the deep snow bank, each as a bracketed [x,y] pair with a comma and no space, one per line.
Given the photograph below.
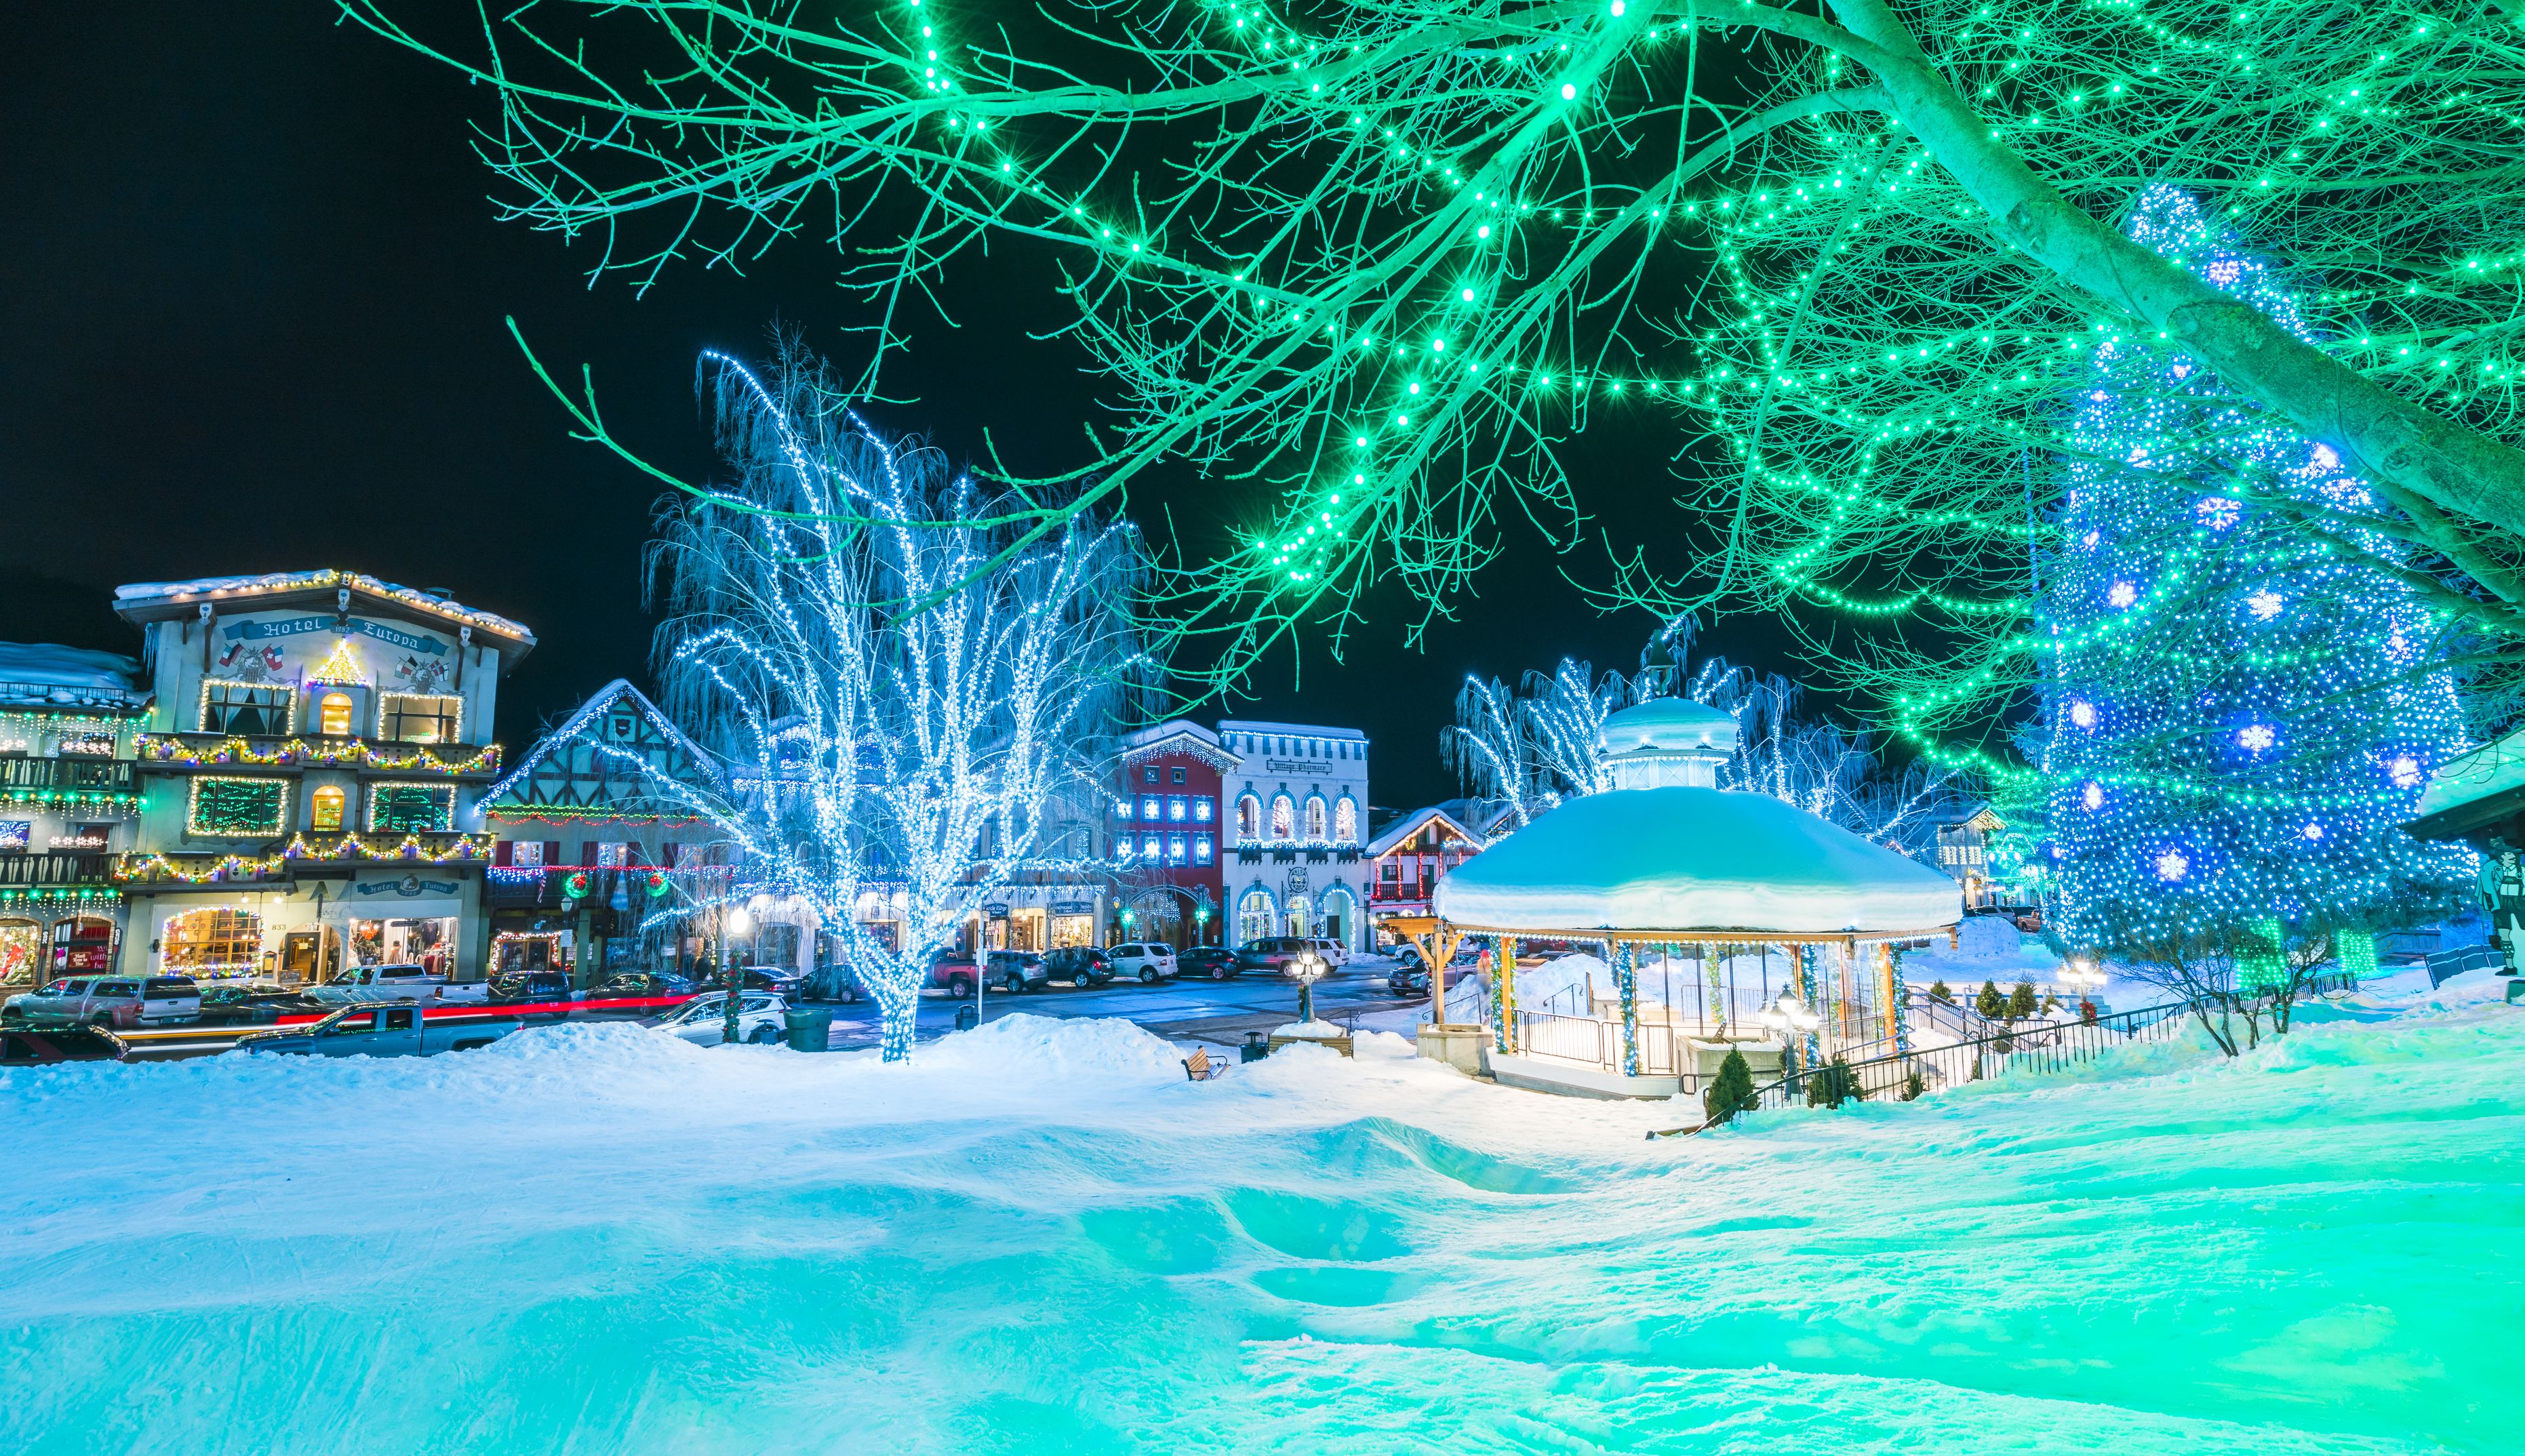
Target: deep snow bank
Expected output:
[1040,1237]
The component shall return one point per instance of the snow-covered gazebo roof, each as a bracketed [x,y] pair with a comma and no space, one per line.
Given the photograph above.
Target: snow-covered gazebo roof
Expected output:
[1666,854]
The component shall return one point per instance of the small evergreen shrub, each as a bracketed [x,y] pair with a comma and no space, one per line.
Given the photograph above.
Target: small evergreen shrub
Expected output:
[1915,1086]
[1731,1091]
[1990,1004]
[1938,991]
[2020,1001]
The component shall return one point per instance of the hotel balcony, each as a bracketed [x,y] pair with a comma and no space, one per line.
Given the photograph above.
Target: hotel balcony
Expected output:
[204,752]
[282,859]
[67,781]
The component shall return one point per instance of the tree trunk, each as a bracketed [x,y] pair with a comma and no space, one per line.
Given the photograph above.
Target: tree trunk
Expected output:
[2394,444]
[897,1008]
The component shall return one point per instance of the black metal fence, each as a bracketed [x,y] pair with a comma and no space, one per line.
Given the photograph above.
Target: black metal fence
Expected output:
[2035,1045]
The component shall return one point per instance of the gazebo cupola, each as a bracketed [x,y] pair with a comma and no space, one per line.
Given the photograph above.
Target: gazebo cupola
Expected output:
[1669,742]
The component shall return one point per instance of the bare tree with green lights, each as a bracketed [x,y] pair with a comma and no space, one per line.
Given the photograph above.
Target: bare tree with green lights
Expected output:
[1376,265]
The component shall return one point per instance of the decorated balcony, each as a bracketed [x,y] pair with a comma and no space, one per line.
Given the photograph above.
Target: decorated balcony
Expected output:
[301,852]
[181,753]
[70,782]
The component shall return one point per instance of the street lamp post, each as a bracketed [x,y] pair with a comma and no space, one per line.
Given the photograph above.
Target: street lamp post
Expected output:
[1309,968]
[731,923]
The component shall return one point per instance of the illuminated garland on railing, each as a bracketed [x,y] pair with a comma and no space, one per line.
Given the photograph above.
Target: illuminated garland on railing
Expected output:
[354,753]
[466,848]
[65,796]
[29,900]
[569,813]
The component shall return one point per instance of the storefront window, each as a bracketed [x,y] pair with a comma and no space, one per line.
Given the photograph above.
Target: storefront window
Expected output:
[86,944]
[1253,919]
[428,942]
[212,941]
[333,715]
[326,808]
[21,951]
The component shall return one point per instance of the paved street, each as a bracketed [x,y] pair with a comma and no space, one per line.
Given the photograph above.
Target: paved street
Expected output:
[1186,1009]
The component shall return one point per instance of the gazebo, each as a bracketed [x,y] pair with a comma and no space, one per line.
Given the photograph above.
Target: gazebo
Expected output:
[1727,920]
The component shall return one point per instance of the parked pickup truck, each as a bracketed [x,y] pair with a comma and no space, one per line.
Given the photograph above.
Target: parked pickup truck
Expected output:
[398,1030]
[400,983]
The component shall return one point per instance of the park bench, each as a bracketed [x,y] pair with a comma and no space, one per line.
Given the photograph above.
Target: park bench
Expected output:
[1198,1067]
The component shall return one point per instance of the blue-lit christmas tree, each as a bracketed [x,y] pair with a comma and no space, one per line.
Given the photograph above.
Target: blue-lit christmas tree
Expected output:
[2238,716]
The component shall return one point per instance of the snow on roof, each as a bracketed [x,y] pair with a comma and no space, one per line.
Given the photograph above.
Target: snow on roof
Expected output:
[1409,824]
[1669,724]
[1204,742]
[2486,770]
[1292,730]
[45,672]
[1687,858]
[272,583]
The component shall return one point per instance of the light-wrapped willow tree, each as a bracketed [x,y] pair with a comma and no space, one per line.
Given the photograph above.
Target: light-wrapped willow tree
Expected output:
[907,712]
[1842,266]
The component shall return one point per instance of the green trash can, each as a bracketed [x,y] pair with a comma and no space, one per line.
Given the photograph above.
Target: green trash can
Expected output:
[810,1028]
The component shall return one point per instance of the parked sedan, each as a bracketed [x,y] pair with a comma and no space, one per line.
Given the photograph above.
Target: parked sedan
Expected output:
[1151,961]
[784,981]
[1081,966]
[1216,962]
[255,1003]
[548,989]
[25,1048]
[1413,978]
[761,1019]
[643,986]
[1019,971]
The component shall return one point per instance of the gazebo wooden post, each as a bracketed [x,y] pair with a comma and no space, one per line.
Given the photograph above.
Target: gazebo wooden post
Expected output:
[1503,994]
[1894,1028]
[1626,981]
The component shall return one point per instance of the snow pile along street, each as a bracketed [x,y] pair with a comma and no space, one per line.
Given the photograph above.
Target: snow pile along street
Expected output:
[1042,1237]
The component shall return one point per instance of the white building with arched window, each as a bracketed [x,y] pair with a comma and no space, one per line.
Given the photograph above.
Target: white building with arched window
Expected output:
[1292,860]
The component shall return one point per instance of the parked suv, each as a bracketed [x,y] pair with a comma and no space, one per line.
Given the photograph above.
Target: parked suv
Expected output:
[1019,971]
[1151,961]
[121,1002]
[1335,954]
[1271,954]
[1082,966]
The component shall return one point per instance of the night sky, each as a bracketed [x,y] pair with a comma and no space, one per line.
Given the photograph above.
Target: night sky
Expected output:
[255,289]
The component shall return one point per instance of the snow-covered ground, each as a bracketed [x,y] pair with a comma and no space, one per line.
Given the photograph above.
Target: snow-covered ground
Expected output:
[1041,1239]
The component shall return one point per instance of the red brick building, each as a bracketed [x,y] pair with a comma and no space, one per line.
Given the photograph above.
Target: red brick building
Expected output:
[1167,841]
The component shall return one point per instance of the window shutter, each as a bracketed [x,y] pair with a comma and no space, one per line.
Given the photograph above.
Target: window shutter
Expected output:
[500,851]
[552,851]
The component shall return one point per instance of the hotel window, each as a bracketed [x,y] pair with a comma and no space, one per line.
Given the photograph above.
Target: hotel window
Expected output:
[413,718]
[1176,808]
[1201,848]
[1314,818]
[1346,820]
[1149,808]
[1149,774]
[326,808]
[1174,849]
[244,709]
[1249,816]
[411,808]
[1201,812]
[1284,818]
[1175,776]
[333,715]
[613,853]
[529,853]
[1149,847]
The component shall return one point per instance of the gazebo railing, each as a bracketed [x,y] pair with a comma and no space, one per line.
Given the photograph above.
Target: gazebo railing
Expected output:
[1597,1043]
[2031,1045]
